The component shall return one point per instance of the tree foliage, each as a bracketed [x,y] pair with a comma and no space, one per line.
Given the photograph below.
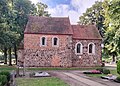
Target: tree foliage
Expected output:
[118,67]
[112,24]
[93,15]
[106,16]
[13,19]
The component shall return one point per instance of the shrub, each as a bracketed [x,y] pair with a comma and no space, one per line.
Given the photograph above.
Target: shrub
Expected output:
[6,73]
[118,78]
[3,80]
[106,71]
[118,67]
[100,69]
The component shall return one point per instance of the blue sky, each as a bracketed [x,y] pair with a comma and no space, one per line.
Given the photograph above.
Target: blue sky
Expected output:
[65,8]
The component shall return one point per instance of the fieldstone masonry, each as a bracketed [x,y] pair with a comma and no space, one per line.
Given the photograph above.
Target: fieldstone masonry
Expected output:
[85,59]
[47,56]
[63,55]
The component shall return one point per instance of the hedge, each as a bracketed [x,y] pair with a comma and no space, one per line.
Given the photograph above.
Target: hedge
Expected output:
[4,77]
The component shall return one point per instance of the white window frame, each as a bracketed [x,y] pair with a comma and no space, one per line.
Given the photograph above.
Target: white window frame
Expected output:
[53,42]
[45,41]
[93,49]
[81,48]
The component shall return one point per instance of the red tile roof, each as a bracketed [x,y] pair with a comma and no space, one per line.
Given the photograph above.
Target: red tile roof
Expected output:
[60,25]
[48,25]
[85,32]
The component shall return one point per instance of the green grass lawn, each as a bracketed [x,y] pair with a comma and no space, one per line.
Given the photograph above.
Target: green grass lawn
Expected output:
[7,68]
[96,75]
[60,68]
[48,81]
[114,72]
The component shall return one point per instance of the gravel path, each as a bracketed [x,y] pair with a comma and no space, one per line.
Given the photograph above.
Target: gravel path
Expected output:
[77,78]
[69,80]
[99,80]
[84,80]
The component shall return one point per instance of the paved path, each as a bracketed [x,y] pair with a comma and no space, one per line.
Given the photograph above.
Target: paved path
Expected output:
[77,78]
[84,80]
[69,80]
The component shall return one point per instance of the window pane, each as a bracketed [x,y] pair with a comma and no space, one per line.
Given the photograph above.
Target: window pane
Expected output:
[43,41]
[55,41]
[78,48]
[90,48]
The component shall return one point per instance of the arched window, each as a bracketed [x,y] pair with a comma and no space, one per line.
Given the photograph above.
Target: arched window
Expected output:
[55,41]
[43,41]
[78,48]
[91,48]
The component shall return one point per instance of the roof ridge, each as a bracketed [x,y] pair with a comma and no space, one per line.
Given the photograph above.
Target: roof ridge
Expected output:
[37,24]
[48,17]
[81,25]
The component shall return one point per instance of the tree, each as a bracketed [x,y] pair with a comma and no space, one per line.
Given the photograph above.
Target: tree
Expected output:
[3,27]
[93,15]
[13,19]
[23,8]
[40,11]
[112,24]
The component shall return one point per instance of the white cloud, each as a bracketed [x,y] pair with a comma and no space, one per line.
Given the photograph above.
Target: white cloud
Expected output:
[59,10]
[34,1]
[82,5]
[64,10]
[79,7]
[74,16]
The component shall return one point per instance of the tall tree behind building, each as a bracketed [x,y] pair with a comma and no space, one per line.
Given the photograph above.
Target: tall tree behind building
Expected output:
[93,15]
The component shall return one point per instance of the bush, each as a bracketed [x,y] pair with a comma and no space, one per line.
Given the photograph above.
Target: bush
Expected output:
[118,67]
[3,80]
[106,71]
[6,73]
[103,70]
[100,69]
[118,78]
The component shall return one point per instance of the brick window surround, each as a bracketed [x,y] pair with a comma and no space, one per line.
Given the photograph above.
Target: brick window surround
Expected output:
[91,48]
[43,41]
[55,42]
[78,48]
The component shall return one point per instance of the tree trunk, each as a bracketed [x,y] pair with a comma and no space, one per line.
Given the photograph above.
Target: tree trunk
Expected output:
[15,51]
[10,58]
[113,58]
[5,55]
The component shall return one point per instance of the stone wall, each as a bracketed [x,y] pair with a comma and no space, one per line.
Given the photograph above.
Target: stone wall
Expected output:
[85,59]
[64,55]
[47,56]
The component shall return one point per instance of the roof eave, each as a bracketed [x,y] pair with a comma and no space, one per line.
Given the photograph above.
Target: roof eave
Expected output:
[50,33]
[88,38]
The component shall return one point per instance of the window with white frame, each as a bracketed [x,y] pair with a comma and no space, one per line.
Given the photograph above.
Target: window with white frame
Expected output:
[55,41]
[91,48]
[78,48]
[43,41]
